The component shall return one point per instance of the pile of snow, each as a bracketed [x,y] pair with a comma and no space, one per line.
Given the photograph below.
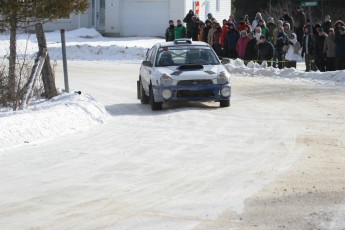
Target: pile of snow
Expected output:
[67,113]
[254,69]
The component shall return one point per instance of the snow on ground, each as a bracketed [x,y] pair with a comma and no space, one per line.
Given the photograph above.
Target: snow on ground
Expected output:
[173,186]
[87,44]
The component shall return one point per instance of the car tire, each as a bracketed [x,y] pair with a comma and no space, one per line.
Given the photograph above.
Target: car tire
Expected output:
[225,103]
[144,99]
[154,105]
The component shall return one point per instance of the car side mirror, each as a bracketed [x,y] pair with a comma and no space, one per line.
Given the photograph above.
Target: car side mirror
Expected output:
[147,63]
[225,61]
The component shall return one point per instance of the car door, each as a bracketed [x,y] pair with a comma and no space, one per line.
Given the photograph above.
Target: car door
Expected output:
[146,72]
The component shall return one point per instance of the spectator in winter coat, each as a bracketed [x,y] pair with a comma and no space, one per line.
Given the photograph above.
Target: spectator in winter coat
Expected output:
[242,44]
[329,50]
[327,24]
[211,32]
[257,34]
[275,31]
[256,20]
[195,28]
[201,31]
[287,29]
[180,30]
[170,32]
[241,24]
[216,39]
[299,23]
[206,30]
[248,28]
[339,40]
[210,17]
[232,20]
[251,49]
[320,58]
[189,22]
[337,25]
[281,40]
[264,29]
[265,51]
[271,26]
[308,49]
[231,41]
[292,53]
[288,19]
[225,30]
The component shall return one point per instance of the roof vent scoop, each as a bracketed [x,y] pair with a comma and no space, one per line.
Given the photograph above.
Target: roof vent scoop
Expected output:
[183,41]
[190,67]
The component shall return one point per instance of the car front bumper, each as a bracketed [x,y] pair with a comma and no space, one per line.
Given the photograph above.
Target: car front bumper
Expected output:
[191,93]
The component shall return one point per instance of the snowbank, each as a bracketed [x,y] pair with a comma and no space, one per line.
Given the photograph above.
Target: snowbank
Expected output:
[67,113]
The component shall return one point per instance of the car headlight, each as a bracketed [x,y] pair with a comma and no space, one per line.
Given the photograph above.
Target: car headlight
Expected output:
[222,78]
[166,80]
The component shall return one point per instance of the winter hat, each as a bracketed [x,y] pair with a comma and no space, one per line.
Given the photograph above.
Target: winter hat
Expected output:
[281,27]
[171,21]
[293,35]
[287,24]
[318,26]
[262,37]
[331,29]
[270,19]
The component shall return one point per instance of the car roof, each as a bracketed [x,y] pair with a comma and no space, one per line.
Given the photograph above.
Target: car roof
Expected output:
[182,42]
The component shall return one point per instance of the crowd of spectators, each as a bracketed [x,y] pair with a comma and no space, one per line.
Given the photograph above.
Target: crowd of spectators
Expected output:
[280,42]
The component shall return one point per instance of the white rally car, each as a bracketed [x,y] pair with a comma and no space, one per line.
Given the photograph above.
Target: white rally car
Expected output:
[183,70]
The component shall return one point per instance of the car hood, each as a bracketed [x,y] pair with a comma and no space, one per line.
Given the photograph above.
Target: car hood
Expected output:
[191,72]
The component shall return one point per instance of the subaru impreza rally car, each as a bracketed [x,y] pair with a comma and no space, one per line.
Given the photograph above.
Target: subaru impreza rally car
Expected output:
[183,70]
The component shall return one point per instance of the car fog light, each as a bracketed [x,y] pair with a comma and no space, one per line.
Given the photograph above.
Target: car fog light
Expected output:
[226,91]
[166,94]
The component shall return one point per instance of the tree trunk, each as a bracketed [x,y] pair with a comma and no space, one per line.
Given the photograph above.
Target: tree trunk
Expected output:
[12,60]
[47,73]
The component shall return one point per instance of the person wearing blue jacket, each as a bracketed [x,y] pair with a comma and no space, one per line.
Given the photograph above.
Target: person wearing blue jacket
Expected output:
[231,41]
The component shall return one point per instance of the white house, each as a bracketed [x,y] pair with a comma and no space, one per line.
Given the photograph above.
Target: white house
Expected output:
[139,17]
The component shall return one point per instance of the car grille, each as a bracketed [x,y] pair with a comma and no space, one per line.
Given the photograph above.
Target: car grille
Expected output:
[192,93]
[194,82]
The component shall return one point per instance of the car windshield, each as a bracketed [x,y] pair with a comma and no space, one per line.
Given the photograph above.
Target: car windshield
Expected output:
[175,56]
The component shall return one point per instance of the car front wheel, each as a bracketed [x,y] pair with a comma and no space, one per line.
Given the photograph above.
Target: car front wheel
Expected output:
[154,105]
[144,99]
[225,103]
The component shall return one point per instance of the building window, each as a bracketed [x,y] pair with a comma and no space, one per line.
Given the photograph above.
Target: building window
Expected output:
[217,5]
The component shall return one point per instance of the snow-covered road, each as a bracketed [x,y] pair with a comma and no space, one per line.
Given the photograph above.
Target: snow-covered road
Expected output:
[189,166]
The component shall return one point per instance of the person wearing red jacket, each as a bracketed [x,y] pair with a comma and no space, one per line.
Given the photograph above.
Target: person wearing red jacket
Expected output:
[225,30]
[242,44]
[241,24]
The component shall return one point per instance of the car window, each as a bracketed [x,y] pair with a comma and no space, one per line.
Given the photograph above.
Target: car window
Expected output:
[152,56]
[174,56]
[148,54]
